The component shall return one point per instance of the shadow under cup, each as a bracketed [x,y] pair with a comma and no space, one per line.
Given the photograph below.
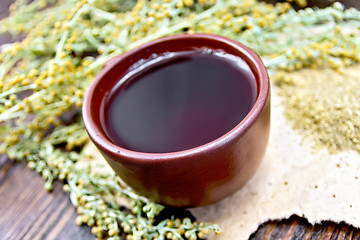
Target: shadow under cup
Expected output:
[197,176]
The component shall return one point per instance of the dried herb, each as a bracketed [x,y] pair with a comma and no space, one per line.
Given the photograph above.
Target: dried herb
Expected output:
[325,105]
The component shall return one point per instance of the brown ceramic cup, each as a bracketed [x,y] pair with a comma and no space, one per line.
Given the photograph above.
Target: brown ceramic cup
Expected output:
[197,176]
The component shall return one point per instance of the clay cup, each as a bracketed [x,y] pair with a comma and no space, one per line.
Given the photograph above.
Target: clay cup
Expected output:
[194,177]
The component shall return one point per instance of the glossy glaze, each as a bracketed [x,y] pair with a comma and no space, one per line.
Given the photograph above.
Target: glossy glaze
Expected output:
[197,176]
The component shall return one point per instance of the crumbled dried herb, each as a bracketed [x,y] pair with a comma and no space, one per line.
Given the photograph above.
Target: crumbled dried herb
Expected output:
[324,104]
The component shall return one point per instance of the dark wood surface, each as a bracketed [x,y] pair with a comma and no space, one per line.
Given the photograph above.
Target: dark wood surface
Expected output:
[28,211]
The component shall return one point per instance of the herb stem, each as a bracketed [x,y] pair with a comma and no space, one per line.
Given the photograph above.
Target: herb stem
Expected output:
[17,90]
[64,36]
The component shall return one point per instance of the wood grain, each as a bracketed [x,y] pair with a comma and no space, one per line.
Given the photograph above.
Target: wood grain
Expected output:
[296,228]
[28,211]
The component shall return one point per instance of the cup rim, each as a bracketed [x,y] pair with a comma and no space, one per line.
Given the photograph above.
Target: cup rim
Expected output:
[249,56]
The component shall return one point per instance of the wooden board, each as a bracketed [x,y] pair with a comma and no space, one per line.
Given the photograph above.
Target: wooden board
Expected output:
[28,211]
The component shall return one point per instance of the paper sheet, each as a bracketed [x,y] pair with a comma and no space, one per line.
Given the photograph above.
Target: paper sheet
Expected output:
[292,179]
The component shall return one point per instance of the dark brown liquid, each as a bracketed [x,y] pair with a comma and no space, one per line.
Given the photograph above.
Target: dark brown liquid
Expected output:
[179,101]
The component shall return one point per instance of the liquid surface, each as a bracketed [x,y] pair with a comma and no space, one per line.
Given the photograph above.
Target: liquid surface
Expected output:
[179,102]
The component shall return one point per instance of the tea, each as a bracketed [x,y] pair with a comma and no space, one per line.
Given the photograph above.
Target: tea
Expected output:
[179,101]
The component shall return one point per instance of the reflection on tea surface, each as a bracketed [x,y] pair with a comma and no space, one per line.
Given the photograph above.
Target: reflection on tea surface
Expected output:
[178,101]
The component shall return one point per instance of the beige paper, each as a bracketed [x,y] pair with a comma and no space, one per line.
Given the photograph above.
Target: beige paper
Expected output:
[292,179]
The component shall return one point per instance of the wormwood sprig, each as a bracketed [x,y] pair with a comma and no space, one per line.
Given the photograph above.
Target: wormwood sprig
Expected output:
[44,76]
[98,195]
[88,189]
